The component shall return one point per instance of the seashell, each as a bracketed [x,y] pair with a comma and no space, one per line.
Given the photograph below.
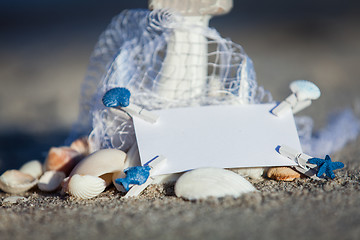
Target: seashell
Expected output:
[81,145]
[132,160]
[62,159]
[51,180]
[14,181]
[85,186]
[305,90]
[211,182]
[253,173]
[99,164]
[117,97]
[283,174]
[33,168]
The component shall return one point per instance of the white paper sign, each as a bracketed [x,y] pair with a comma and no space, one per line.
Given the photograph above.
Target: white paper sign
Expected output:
[217,136]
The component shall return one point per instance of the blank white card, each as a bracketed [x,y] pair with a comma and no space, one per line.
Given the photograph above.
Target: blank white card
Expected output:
[217,136]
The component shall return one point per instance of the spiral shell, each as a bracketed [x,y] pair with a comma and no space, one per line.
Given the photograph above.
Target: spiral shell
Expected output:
[211,182]
[85,186]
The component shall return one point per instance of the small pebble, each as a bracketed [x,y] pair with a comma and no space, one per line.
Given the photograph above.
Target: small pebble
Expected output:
[14,199]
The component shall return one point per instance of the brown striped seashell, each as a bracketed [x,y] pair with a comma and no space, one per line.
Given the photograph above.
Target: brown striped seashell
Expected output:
[62,159]
[81,145]
[283,174]
[14,181]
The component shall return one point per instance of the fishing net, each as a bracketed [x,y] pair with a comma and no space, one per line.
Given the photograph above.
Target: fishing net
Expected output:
[165,61]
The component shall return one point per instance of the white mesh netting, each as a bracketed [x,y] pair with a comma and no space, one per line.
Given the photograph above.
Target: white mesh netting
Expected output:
[166,61]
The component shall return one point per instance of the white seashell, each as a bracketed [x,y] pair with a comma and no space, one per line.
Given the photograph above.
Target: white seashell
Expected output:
[86,186]
[14,181]
[253,173]
[33,168]
[51,180]
[98,164]
[211,182]
[101,162]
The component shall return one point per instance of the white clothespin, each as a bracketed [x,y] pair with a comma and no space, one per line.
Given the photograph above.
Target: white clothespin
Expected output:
[135,110]
[303,92]
[119,98]
[155,164]
[301,159]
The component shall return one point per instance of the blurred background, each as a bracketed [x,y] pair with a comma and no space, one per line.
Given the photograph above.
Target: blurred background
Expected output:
[45,47]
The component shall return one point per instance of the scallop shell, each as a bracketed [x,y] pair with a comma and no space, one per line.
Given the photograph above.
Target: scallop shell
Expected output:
[33,168]
[85,186]
[99,164]
[50,181]
[81,145]
[117,97]
[14,181]
[62,159]
[211,182]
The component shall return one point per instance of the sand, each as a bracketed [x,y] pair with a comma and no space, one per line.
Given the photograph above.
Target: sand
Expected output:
[302,209]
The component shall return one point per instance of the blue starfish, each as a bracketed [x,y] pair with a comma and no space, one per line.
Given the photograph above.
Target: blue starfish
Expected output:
[326,166]
[134,175]
[117,97]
